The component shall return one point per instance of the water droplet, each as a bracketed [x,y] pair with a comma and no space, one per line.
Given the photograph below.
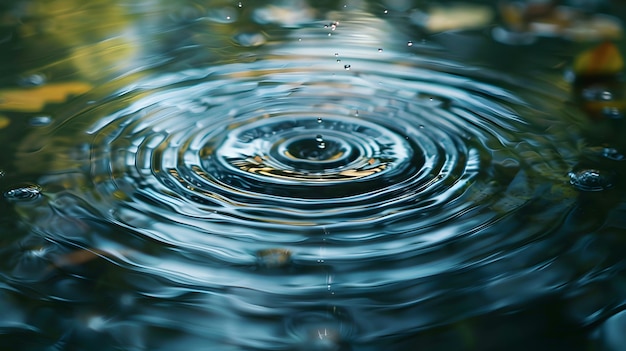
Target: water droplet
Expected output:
[2,173]
[228,18]
[24,192]
[320,141]
[380,50]
[319,120]
[329,34]
[386,11]
[606,95]
[240,5]
[591,180]
[299,39]
[356,113]
[336,54]
[409,43]
[347,67]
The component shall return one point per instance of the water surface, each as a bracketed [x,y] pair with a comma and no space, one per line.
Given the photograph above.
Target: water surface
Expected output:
[294,176]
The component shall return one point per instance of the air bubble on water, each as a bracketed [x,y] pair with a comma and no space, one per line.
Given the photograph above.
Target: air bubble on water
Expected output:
[336,54]
[421,126]
[347,67]
[612,154]
[250,39]
[40,121]
[23,193]
[606,95]
[319,120]
[591,180]
[409,43]
[32,80]
[612,113]
[380,50]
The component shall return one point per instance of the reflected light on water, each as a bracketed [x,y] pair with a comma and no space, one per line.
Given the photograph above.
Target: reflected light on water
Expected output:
[310,176]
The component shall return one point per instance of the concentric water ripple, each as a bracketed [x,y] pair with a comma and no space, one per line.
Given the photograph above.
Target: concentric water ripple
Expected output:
[309,198]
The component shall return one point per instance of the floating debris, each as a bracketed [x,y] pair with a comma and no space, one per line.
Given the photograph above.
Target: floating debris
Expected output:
[591,180]
[274,258]
[544,19]
[24,192]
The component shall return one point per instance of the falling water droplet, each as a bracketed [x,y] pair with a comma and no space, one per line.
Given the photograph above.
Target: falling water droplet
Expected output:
[409,43]
[356,113]
[23,192]
[380,50]
[319,120]
[347,67]
[321,144]
[386,11]
[336,54]
[240,5]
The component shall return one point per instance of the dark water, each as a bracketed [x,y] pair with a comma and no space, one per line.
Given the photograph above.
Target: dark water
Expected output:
[219,175]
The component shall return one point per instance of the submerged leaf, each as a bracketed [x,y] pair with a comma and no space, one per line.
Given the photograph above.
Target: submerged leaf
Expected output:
[34,99]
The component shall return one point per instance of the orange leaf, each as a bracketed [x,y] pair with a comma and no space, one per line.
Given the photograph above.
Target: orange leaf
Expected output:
[603,60]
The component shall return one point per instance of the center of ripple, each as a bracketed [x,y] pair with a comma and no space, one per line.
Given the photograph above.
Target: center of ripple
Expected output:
[316,154]
[280,154]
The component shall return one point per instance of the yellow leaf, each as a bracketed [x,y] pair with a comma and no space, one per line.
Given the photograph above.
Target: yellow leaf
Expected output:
[603,60]
[4,121]
[34,99]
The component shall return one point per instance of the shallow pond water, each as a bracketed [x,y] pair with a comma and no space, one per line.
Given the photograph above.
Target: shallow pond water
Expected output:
[292,175]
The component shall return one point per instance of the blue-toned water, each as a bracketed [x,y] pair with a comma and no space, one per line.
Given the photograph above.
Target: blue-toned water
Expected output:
[212,175]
